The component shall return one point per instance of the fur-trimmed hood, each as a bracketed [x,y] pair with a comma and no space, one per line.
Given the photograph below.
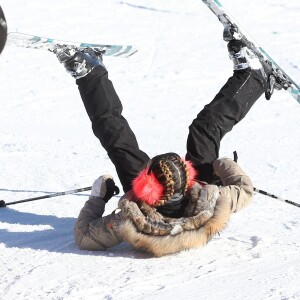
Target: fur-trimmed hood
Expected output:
[145,228]
[207,212]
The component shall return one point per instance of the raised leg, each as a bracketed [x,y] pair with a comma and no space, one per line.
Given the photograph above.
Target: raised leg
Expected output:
[217,118]
[104,109]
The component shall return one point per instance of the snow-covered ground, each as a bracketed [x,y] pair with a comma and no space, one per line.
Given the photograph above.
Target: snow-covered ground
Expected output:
[47,145]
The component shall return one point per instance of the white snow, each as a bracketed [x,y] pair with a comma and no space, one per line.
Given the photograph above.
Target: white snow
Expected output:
[47,145]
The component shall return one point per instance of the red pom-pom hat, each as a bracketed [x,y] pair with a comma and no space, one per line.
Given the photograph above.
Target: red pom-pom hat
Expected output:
[148,189]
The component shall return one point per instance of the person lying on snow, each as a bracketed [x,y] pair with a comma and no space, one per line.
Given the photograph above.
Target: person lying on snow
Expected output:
[170,203]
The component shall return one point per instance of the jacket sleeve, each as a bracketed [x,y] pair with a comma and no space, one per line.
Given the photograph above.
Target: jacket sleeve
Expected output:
[237,187]
[94,232]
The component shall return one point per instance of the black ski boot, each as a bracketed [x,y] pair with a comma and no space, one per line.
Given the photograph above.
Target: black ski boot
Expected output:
[243,58]
[79,62]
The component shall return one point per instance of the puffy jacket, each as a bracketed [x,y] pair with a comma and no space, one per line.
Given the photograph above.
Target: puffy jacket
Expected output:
[207,213]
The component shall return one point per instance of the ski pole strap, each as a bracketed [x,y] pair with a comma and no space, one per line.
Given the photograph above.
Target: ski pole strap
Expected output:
[276,197]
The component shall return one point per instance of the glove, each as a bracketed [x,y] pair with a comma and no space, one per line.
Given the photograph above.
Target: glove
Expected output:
[104,187]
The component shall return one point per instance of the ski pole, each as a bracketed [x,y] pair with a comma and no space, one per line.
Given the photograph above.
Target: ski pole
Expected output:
[3,204]
[276,197]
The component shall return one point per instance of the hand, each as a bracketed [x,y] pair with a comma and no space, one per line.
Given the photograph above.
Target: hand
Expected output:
[104,187]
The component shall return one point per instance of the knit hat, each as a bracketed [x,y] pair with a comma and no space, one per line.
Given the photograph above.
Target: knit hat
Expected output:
[166,176]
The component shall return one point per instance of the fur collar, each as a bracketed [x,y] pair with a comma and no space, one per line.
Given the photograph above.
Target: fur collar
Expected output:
[145,228]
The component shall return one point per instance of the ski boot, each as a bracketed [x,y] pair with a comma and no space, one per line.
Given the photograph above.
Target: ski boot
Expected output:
[244,58]
[79,62]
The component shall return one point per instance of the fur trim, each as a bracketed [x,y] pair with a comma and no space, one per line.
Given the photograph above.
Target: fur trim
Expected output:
[147,188]
[168,244]
[149,221]
[144,228]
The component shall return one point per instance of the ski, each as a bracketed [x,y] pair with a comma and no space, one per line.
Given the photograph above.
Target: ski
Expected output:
[239,33]
[37,42]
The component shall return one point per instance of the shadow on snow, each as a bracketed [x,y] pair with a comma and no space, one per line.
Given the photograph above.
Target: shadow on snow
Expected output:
[57,237]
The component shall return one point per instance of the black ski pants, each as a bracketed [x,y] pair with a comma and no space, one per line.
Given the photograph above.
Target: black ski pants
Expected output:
[104,109]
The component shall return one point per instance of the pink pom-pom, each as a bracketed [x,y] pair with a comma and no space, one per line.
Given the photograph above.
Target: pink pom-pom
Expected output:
[147,188]
[192,172]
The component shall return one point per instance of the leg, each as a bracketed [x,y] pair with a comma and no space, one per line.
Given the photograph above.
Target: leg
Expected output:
[104,110]
[110,127]
[217,118]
